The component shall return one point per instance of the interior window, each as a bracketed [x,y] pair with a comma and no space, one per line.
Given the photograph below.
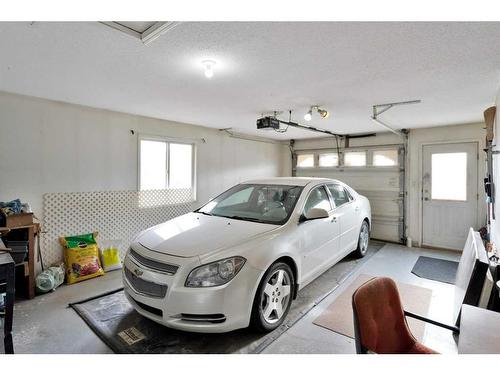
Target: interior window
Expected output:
[180,157]
[328,160]
[165,165]
[339,194]
[305,161]
[318,198]
[385,158]
[355,158]
[153,162]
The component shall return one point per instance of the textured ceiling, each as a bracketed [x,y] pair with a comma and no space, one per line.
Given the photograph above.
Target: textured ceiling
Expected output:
[454,68]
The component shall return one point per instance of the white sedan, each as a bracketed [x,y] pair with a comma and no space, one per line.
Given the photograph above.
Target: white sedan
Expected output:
[241,258]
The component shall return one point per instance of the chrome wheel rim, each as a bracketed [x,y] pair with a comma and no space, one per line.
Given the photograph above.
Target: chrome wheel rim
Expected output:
[364,236]
[275,296]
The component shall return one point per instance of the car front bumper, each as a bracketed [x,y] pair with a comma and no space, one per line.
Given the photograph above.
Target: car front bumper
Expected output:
[209,309]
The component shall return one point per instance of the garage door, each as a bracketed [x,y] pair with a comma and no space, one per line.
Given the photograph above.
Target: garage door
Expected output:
[376,173]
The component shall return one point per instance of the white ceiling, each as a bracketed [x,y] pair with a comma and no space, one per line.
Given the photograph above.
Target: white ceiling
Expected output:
[454,68]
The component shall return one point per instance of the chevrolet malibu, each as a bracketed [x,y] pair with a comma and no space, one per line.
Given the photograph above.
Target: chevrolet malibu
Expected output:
[240,259]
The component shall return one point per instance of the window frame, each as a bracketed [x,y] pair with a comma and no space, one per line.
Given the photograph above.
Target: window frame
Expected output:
[168,141]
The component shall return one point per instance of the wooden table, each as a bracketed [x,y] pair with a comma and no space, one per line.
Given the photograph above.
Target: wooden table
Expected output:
[7,286]
[479,331]
[28,267]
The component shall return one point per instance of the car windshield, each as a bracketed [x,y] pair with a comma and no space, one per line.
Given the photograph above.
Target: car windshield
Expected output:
[271,204]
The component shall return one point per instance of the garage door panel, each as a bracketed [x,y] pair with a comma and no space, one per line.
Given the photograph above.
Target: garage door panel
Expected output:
[389,206]
[383,186]
[367,179]
[384,228]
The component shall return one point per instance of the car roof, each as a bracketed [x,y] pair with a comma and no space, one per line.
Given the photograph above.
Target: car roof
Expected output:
[294,181]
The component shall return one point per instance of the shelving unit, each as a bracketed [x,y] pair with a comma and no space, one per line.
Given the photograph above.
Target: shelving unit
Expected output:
[28,267]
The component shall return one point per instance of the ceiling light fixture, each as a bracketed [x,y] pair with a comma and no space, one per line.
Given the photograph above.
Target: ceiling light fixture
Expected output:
[209,68]
[314,108]
[323,113]
[308,115]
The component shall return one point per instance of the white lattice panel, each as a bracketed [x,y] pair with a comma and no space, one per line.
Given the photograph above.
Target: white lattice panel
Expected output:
[114,214]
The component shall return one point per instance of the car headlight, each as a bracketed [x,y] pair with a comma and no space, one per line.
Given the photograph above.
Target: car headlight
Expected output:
[216,273]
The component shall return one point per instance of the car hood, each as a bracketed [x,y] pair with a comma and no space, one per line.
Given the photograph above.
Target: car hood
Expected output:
[196,234]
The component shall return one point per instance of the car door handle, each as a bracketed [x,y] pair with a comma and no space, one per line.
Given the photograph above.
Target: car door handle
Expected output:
[356,208]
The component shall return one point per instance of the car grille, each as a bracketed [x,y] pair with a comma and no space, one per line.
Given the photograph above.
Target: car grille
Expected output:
[145,287]
[153,264]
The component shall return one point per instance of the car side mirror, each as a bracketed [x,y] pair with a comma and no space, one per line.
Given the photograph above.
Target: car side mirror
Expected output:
[314,213]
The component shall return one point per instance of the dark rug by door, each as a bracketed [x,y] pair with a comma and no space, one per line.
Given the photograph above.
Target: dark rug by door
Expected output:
[436,269]
[114,320]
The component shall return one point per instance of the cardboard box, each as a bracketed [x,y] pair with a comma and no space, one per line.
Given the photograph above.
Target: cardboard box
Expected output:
[18,220]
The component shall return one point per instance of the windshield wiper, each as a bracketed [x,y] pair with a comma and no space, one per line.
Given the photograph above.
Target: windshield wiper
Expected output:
[244,218]
[204,213]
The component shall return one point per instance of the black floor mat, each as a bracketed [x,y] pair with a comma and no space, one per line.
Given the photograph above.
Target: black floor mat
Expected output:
[113,319]
[436,269]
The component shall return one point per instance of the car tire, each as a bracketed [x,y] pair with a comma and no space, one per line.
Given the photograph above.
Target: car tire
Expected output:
[363,240]
[273,298]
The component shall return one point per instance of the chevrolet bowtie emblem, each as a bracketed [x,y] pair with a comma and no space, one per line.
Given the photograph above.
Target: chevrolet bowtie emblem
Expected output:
[138,272]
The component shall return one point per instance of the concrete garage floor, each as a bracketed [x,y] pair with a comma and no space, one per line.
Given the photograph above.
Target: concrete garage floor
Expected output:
[394,261]
[47,325]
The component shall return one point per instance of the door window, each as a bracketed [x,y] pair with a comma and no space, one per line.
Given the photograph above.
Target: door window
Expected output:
[339,194]
[449,176]
[318,198]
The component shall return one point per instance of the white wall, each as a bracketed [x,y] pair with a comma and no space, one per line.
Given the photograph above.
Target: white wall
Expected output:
[48,146]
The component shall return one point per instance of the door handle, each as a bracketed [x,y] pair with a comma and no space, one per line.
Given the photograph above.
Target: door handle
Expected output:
[356,208]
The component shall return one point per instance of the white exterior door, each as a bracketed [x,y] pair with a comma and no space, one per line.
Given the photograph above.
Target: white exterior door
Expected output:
[449,194]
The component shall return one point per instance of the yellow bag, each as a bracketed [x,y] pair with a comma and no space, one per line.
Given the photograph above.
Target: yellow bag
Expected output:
[110,255]
[81,255]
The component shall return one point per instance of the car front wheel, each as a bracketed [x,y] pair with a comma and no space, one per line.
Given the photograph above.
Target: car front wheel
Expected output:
[274,297]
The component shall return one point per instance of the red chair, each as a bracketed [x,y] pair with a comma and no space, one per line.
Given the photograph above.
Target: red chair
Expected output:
[380,324]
